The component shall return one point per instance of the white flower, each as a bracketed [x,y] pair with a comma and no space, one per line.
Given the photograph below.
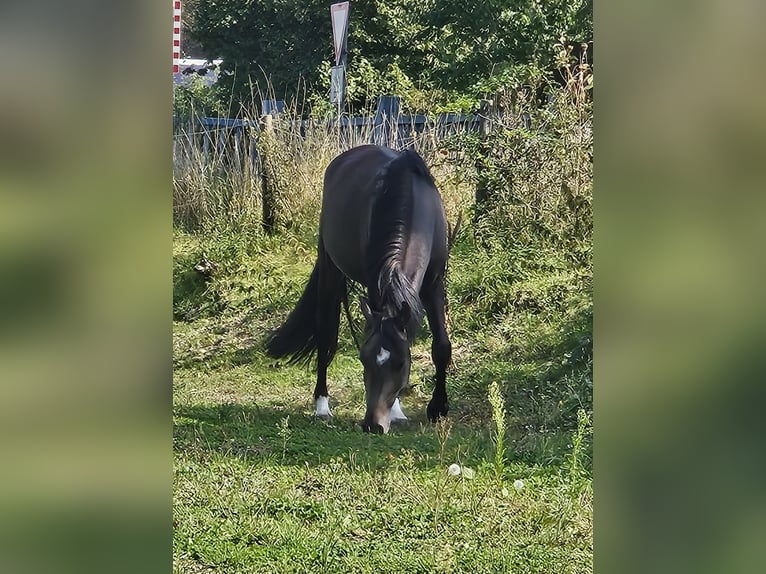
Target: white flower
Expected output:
[453,470]
[518,484]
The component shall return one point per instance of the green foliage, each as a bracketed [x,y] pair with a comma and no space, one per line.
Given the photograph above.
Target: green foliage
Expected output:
[534,186]
[466,42]
[196,99]
[424,51]
[366,83]
[265,45]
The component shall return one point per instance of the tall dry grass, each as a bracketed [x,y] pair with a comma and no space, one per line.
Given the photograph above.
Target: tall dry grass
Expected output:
[534,169]
[220,183]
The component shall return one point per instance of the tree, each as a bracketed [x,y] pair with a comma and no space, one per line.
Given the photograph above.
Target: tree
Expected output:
[269,46]
[452,46]
[190,47]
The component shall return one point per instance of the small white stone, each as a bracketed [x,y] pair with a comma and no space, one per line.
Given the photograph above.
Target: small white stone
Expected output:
[396,413]
[322,405]
[468,472]
[518,484]
[453,470]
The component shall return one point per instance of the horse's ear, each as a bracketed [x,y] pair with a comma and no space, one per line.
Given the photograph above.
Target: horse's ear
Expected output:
[366,311]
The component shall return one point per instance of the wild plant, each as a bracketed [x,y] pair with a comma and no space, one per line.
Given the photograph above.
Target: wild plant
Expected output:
[285,432]
[498,434]
[577,468]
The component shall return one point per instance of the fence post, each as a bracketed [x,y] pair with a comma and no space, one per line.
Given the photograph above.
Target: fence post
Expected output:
[386,120]
[266,141]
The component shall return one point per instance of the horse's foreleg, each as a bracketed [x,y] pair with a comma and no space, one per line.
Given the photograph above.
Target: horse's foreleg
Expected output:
[434,301]
[329,296]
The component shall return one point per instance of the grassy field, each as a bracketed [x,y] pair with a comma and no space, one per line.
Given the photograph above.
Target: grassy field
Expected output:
[262,486]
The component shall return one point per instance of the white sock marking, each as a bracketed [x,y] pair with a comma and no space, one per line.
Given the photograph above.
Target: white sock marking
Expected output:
[382,356]
[396,412]
[323,407]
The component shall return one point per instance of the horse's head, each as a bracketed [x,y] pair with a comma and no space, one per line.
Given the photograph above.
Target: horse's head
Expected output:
[385,355]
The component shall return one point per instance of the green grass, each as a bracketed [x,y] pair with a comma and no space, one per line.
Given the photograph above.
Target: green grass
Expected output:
[260,485]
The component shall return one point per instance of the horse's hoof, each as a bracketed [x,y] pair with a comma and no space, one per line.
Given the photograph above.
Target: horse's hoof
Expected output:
[437,411]
[373,428]
[322,405]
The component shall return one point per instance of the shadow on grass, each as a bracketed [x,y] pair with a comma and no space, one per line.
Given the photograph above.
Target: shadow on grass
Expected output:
[542,398]
[275,435]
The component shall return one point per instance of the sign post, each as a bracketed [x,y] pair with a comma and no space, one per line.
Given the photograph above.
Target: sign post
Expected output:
[337,85]
[339,17]
[176,35]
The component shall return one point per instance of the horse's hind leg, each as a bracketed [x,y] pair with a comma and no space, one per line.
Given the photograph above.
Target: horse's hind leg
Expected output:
[332,285]
[435,300]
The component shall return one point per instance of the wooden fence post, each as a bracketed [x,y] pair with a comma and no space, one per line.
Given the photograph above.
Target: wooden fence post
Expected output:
[268,198]
[386,122]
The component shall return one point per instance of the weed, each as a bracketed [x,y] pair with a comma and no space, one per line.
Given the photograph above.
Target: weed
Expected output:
[443,429]
[576,467]
[498,435]
[284,432]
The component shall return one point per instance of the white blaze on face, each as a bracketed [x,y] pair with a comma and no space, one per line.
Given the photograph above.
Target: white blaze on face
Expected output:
[383,356]
[322,407]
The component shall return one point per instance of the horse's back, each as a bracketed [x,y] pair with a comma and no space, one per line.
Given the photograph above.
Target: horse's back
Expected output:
[349,189]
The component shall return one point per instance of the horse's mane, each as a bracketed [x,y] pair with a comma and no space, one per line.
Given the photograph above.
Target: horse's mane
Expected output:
[389,288]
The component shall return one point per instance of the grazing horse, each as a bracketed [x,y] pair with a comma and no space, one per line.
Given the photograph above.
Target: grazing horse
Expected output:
[382,225]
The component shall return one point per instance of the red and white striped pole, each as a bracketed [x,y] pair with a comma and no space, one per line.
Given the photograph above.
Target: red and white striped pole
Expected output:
[176,35]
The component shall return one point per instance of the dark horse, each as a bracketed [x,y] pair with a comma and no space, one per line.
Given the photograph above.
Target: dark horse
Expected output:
[383,226]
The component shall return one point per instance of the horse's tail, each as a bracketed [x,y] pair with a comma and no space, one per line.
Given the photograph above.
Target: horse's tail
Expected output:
[296,338]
